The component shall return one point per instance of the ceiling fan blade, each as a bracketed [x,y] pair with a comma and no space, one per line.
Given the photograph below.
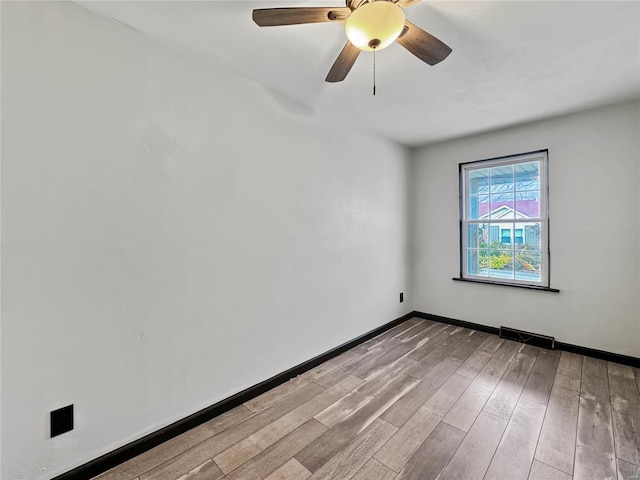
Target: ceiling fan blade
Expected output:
[343,63]
[406,3]
[423,45]
[273,17]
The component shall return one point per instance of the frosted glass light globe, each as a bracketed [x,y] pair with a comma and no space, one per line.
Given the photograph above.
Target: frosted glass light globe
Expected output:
[375,25]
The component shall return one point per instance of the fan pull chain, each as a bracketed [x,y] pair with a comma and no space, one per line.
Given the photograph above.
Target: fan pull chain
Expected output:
[374,70]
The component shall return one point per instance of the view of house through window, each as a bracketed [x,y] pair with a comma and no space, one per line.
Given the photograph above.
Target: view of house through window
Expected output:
[504,219]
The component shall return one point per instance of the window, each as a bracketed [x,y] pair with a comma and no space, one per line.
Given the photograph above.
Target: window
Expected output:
[504,225]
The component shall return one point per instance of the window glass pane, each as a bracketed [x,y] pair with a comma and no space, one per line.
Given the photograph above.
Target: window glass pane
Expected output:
[494,234]
[532,240]
[475,265]
[502,179]
[505,236]
[502,206]
[501,264]
[479,181]
[528,266]
[477,207]
[528,204]
[528,176]
[474,235]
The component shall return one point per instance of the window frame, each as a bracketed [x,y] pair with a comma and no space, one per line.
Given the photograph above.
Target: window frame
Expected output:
[463,168]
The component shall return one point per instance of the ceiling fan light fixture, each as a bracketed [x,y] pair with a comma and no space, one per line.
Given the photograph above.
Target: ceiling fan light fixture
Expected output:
[375,25]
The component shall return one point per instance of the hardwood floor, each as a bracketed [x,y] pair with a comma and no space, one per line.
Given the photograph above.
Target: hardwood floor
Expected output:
[421,401]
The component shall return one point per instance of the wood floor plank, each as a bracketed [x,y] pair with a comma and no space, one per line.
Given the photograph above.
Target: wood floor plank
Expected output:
[292,470]
[507,350]
[447,395]
[628,471]
[384,376]
[411,331]
[571,362]
[270,397]
[540,381]
[399,449]
[556,446]
[517,447]
[636,371]
[174,447]
[253,444]
[542,471]
[423,336]
[357,453]
[532,350]
[320,451]
[595,456]
[595,381]
[469,346]
[619,369]
[472,365]
[442,351]
[504,398]
[625,403]
[471,460]
[439,335]
[328,366]
[341,409]
[334,376]
[406,406]
[207,471]
[474,398]
[269,460]
[212,446]
[368,371]
[491,344]
[374,470]
[433,455]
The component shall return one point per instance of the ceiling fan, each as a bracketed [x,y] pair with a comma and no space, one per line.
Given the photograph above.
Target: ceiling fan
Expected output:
[369,24]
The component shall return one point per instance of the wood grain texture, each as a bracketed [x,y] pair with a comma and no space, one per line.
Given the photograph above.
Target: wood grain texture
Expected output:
[491,344]
[517,447]
[292,470]
[540,381]
[406,406]
[595,381]
[320,451]
[273,17]
[504,398]
[473,400]
[176,446]
[399,449]
[570,362]
[628,471]
[357,453]
[207,471]
[472,458]
[590,427]
[542,471]
[250,446]
[625,404]
[423,45]
[212,446]
[556,446]
[433,455]
[269,460]
[374,470]
[507,350]
[473,365]
[595,456]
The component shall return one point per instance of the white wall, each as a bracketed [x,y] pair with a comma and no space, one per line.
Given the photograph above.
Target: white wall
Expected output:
[171,234]
[594,163]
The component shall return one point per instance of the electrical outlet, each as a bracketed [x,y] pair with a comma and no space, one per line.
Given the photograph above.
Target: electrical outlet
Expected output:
[61,420]
[401,297]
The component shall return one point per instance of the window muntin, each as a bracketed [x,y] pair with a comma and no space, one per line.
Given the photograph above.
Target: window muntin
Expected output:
[504,219]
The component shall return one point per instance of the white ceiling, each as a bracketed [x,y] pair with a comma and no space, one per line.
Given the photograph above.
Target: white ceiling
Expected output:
[512,61]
